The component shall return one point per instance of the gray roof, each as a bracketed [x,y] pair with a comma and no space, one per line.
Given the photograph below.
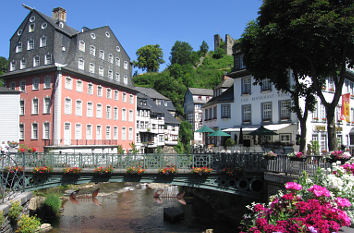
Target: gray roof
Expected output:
[201,91]
[153,94]
[66,29]
[225,83]
[5,90]
[226,97]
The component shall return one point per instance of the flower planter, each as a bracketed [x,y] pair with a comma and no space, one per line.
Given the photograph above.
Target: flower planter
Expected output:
[334,160]
[297,159]
[270,157]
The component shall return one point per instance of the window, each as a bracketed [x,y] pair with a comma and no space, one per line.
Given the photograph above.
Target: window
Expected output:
[35,106]
[93,36]
[131,116]
[323,142]
[12,65]
[44,25]
[23,63]
[34,131]
[266,85]
[81,64]
[46,134]
[124,97]
[117,61]
[99,91]
[131,99]
[36,61]
[110,58]
[78,131]
[124,133]
[23,85]
[107,34]
[125,65]
[116,93]
[215,112]
[88,131]
[130,134]
[67,106]
[115,133]
[108,112]
[31,27]
[19,47]
[89,112]
[90,88]
[92,50]
[92,68]
[46,105]
[48,59]
[108,132]
[101,71]
[239,62]
[117,48]
[115,113]
[35,84]
[125,80]
[225,111]
[267,111]
[117,77]
[79,85]
[22,131]
[30,44]
[32,19]
[323,112]
[61,24]
[110,74]
[98,132]
[285,138]
[206,114]
[19,32]
[109,93]
[22,107]
[124,114]
[12,86]
[47,82]
[101,54]
[82,45]
[284,106]
[78,108]
[68,83]
[246,113]
[43,41]
[99,111]
[246,85]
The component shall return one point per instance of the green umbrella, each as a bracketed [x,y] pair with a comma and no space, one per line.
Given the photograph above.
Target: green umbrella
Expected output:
[205,129]
[220,133]
[261,131]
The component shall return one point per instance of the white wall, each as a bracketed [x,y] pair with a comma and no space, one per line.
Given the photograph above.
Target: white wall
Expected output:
[9,117]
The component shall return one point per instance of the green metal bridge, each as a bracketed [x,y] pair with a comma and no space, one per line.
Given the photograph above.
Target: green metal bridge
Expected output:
[241,174]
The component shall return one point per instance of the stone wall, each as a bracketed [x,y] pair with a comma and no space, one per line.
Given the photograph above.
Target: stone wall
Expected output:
[24,198]
[228,43]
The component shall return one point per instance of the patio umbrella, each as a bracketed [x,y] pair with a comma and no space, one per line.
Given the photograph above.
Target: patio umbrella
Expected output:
[205,129]
[240,140]
[261,131]
[219,133]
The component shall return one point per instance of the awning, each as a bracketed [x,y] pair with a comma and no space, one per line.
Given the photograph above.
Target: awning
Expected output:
[270,127]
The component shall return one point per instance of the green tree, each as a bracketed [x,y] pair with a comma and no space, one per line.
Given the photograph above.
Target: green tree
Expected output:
[204,48]
[149,58]
[182,53]
[186,135]
[313,38]
[4,64]
[219,53]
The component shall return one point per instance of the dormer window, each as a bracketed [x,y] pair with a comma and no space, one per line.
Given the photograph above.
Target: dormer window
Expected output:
[110,58]
[44,25]
[81,64]
[101,71]
[117,78]
[101,54]
[108,34]
[92,50]
[93,36]
[32,19]
[43,41]
[92,68]
[82,45]
[19,32]
[125,79]
[36,61]
[117,61]
[23,63]
[19,47]
[31,27]
[61,24]
[118,48]
[125,65]
[48,59]
[30,44]
[12,65]
[110,74]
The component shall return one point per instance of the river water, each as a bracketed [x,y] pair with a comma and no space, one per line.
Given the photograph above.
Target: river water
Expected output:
[126,208]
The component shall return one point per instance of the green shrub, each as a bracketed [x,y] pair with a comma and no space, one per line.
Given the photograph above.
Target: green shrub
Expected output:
[15,210]
[28,224]
[229,142]
[53,202]
[2,218]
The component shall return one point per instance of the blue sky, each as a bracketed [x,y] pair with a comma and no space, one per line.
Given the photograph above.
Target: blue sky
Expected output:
[141,22]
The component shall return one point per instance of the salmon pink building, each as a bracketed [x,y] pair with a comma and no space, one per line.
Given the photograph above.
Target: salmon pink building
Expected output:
[76,88]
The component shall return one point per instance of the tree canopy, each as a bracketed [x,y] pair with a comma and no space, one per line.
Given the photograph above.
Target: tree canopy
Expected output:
[182,53]
[149,58]
[313,38]
[4,64]
[204,48]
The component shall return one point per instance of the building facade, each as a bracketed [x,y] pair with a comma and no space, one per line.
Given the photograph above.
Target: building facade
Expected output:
[9,124]
[76,88]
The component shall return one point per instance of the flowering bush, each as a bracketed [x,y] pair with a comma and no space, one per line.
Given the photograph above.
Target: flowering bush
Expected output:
[103,170]
[32,150]
[168,170]
[14,169]
[12,144]
[42,170]
[135,170]
[298,155]
[270,155]
[339,155]
[201,170]
[22,150]
[72,170]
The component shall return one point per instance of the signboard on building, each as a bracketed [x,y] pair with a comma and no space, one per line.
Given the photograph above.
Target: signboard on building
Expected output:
[345,107]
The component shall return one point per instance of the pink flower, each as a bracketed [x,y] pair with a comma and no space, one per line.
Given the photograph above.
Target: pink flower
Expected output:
[299,154]
[293,186]
[343,202]
[258,208]
[319,191]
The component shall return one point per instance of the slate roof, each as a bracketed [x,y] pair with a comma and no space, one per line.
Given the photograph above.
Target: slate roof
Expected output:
[5,90]
[225,83]
[201,91]
[226,97]
[153,94]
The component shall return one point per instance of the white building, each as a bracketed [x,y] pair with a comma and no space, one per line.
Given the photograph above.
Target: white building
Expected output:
[9,115]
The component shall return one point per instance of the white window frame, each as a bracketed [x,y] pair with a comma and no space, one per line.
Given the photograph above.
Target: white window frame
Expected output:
[118,61]
[246,85]
[99,132]
[46,130]
[109,93]
[124,97]
[47,105]
[78,107]
[267,111]
[35,84]
[125,79]
[131,115]
[31,27]
[284,109]
[34,131]
[101,54]
[68,83]
[130,133]
[35,106]
[124,133]
[124,114]
[99,110]
[36,61]
[108,112]
[101,71]
[117,77]
[82,45]
[12,65]
[110,58]
[19,47]
[23,63]
[30,44]
[99,91]
[22,131]
[125,65]
[67,106]
[89,132]
[108,132]
[22,107]
[131,99]
[92,68]
[90,88]
[116,95]
[43,41]
[92,50]
[89,109]
[115,113]
[110,74]
[22,85]
[78,131]
[115,133]
[81,64]
[48,59]
[79,85]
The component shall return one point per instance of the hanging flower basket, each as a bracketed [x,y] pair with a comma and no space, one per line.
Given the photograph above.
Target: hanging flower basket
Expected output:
[201,170]
[168,171]
[299,156]
[72,171]
[338,155]
[270,155]
[103,171]
[42,171]
[135,171]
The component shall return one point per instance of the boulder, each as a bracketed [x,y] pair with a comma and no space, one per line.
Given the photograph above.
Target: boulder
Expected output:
[35,203]
[45,227]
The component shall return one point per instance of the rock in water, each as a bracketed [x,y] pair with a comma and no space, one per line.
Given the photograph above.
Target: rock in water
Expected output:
[173,214]
[45,227]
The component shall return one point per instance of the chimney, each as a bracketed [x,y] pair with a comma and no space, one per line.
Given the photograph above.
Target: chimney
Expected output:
[59,14]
